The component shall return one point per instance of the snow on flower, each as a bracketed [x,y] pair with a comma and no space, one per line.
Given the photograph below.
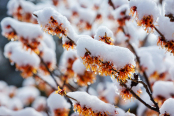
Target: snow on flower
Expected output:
[104,34]
[167,40]
[167,108]
[30,35]
[105,59]
[146,12]
[91,105]
[83,77]
[56,24]
[163,90]
[26,61]
[58,105]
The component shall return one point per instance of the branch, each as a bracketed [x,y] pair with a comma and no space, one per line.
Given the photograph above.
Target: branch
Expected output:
[147,90]
[111,4]
[137,97]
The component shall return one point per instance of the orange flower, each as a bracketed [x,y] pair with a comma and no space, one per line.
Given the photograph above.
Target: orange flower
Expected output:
[62,92]
[61,112]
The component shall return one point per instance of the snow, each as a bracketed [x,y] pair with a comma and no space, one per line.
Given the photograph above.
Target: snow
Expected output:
[24,30]
[145,8]
[100,32]
[168,107]
[168,7]
[106,52]
[78,67]
[39,102]
[90,101]
[166,28]
[27,93]
[163,88]
[49,41]
[150,58]
[118,3]
[44,15]
[56,101]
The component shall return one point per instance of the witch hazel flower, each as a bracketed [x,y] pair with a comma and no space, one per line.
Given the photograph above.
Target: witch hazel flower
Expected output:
[104,34]
[105,59]
[26,61]
[82,76]
[166,29]
[66,64]
[146,12]
[167,108]
[54,23]
[30,35]
[91,105]
[58,105]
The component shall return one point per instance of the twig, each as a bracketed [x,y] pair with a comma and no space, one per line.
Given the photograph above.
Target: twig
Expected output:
[147,90]
[87,88]
[111,4]
[159,33]
[137,97]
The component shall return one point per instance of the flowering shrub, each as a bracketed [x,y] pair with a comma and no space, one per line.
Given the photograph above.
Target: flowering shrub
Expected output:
[103,40]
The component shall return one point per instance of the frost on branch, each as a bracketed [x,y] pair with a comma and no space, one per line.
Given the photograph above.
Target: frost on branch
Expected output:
[26,61]
[106,59]
[169,9]
[145,11]
[167,30]
[163,90]
[91,105]
[58,105]
[28,34]
[55,23]
[167,108]
[66,63]
[82,76]
[24,112]
[104,34]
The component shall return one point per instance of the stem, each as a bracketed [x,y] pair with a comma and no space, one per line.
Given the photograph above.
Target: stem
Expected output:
[159,33]
[149,93]
[111,4]
[137,97]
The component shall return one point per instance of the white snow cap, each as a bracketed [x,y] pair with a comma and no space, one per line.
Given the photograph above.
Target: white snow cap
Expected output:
[90,101]
[118,3]
[27,93]
[20,56]
[78,67]
[26,30]
[152,59]
[39,102]
[119,56]
[145,8]
[101,32]
[167,107]
[163,88]
[44,15]
[49,41]
[117,13]
[24,112]
[56,101]
[168,7]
